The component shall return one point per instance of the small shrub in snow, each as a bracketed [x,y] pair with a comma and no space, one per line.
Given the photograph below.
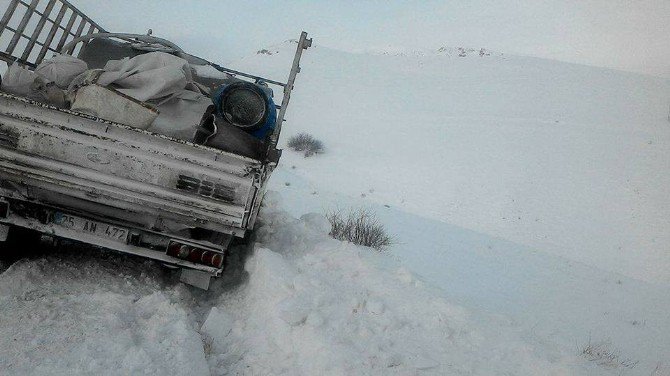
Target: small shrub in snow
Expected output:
[660,370]
[359,227]
[207,345]
[604,356]
[306,143]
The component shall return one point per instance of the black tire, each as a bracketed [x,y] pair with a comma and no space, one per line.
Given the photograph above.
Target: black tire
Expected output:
[21,242]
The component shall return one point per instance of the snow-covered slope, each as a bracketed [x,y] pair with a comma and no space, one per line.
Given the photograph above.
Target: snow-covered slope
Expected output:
[300,304]
[568,159]
[527,200]
[550,301]
[525,187]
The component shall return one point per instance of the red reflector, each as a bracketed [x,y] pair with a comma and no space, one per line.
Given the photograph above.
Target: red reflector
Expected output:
[181,251]
[207,257]
[212,258]
[173,249]
[196,255]
[217,260]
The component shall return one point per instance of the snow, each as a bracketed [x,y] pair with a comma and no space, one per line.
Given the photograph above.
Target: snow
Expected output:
[70,314]
[548,299]
[528,203]
[299,303]
[564,158]
[340,309]
[302,304]
[529,188]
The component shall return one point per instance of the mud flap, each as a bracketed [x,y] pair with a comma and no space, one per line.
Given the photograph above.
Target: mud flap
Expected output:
[195,278]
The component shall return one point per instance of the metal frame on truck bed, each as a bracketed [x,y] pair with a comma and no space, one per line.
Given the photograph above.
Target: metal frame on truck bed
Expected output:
[64,174]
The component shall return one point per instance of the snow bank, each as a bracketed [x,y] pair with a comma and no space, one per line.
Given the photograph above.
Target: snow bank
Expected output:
[81,314]
[300,303]
[550,299]
[313,305]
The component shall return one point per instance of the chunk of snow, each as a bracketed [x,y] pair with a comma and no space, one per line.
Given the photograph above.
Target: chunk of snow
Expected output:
[216,327]
[316,222]
[292,311]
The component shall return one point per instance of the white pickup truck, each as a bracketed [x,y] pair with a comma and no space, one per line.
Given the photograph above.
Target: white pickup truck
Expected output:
[66,174]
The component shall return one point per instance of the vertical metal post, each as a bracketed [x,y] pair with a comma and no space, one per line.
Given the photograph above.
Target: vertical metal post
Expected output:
[8,15]
[303,44]
[67,31]
[52,34]
[91,30]
[80,30]
[38,31]
[21,27]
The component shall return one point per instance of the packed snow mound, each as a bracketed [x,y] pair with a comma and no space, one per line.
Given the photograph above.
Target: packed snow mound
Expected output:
[300,303]
[81,314]
[314,305]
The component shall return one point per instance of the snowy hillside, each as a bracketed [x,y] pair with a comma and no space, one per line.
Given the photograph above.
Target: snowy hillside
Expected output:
[300,304]
[527,199]
[563,158]
[521,186]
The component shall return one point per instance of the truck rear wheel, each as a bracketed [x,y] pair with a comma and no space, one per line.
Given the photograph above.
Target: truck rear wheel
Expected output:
[19,242]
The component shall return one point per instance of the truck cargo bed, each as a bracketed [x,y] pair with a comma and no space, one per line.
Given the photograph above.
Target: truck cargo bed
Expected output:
[106,168]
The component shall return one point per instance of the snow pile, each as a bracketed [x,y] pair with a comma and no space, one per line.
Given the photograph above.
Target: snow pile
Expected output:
[82,314]
[313,305]
[300,304]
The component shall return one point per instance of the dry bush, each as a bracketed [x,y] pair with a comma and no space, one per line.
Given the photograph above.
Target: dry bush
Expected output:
[360,227]
[207,345]
[306,143]
[604,356]
[660,370]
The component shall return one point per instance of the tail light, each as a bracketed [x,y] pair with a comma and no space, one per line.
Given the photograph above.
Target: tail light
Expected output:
[195,254]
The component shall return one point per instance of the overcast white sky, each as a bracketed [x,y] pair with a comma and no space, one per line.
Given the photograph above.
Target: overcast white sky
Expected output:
[625,34]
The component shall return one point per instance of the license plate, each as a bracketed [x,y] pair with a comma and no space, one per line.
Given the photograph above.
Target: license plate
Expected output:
[83,225]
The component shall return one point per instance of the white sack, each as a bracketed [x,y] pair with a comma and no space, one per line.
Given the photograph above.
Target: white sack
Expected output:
[61,69]
[108,104]
[18,80]
[149,76]
[180,115]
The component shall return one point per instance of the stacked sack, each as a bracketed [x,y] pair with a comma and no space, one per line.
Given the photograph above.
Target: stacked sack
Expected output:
[48,83]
